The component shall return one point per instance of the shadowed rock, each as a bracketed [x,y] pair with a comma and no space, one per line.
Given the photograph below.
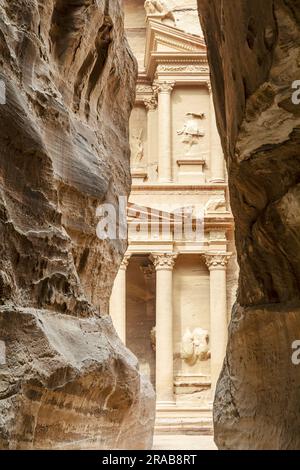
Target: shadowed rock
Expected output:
[254,58]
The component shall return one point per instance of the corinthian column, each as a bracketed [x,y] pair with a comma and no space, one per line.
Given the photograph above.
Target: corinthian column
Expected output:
[164,264]
[164,131]
[217,163]
[117,304]
[218,312]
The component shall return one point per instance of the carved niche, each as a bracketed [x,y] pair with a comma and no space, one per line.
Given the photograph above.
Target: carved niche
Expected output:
[192,132]
[194,346]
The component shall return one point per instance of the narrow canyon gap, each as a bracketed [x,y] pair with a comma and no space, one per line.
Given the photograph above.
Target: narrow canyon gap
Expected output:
[254,55]
[66,380]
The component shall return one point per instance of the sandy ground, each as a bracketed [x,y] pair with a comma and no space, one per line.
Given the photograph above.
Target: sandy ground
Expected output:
[183,442]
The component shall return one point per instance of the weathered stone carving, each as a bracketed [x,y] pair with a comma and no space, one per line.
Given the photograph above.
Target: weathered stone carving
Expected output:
[153,338]
[137,147]
[154,7]
[253,52]
[165,86]
[182,68]
[216,260]
[191,131]
[194,346]
[158,8]
[148,272]
[151,103]
[216,204]
[164,260]
[70,81]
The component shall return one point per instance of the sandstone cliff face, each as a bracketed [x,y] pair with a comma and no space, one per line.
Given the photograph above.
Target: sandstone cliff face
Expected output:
[254,57]
[66,381]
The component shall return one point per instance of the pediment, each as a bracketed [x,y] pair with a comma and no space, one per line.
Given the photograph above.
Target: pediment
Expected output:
[165,37]
[164,41]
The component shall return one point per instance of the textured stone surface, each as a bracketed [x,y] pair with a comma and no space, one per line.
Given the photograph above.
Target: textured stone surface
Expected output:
[254,58]
[66,381]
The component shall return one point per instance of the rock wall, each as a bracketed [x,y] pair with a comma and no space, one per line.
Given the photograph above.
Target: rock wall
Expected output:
[66,381]
[254,57]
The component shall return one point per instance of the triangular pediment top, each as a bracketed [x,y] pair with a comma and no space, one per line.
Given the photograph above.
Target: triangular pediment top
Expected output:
[166,43]
[161,36]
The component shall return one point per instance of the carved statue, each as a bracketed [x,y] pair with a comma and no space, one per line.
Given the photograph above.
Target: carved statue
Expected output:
[137,147]
[191,131]
[154,7]
[160,9]
[194,346]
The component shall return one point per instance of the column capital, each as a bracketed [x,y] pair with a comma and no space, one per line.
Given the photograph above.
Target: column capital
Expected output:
[125,262]
[163,261]
[164,86]
[216,260]
[151,103]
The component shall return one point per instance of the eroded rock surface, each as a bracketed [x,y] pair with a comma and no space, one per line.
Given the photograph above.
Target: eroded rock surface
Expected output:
[66,381]
[254,57]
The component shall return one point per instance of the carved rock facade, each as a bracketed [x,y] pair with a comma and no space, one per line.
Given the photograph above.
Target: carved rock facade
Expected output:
[66,380]
[253,50]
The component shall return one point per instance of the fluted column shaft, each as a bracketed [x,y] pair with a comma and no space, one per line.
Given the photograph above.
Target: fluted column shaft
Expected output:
[117,304]
[164,131]
[164,264]
[218,312]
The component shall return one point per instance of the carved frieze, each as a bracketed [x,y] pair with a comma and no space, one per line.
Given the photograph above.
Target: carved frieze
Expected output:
[189,68]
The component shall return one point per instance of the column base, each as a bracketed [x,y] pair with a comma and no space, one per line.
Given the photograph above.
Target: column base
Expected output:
[165,403]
